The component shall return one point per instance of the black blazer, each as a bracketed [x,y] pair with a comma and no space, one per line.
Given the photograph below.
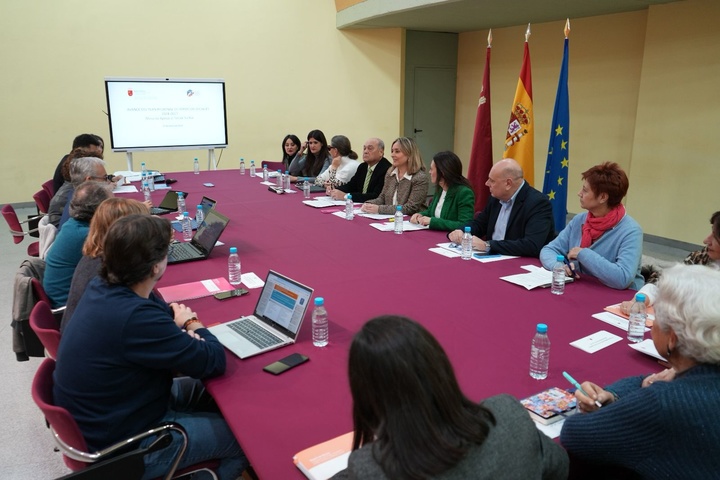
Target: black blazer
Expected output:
[377,180]
[530,226]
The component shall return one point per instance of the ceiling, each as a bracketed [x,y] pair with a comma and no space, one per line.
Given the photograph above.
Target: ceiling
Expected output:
[471,15]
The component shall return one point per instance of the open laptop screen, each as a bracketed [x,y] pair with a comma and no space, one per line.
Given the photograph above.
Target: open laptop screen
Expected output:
[210,230]
[283,303]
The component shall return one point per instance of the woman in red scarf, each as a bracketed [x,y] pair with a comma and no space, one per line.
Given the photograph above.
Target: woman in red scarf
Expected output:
[605,242]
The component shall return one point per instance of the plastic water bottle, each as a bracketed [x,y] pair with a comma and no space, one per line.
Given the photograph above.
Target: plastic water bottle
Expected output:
[306,189]
[287,180]
[540,353]
[234,270]
[398,220]
[467,244]
[146,191]
[196,167]
[636,323]
[242,166]
[181,203]
[266,174]
[349,207]
[187,227]
[280,180]
[319,323]
[558,276]
[252,168]
[199,216]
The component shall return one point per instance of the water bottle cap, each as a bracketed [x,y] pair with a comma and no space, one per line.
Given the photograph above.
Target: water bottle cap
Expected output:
[185,214]
[348,196]
[398,208]
[560,258]
[640,297]
[541,328]
[242,159]
[142,164]
[467,229]
[180,194]
[319,301]
[200,207]
[279,171]
[233,249]
[252,161]
[196,159]
[287,172]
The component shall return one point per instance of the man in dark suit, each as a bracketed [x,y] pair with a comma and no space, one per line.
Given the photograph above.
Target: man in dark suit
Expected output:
[517,219]
[368,181]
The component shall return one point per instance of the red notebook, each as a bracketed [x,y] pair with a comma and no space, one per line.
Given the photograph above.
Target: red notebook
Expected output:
[199,289]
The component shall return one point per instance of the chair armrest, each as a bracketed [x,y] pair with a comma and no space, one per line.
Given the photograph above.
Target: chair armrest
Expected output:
[114,449]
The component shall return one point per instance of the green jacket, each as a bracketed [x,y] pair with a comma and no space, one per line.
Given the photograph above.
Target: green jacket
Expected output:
[457,210]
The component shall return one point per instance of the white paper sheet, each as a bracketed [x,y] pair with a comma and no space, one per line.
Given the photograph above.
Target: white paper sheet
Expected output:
[648,348]
[596,341]
[250,280]
[444,252]
[614,320]
[390,226]
[125,189]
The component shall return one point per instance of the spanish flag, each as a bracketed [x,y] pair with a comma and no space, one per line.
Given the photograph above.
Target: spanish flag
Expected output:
[519,140]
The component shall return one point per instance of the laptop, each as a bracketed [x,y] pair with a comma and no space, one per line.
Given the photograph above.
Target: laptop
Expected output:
[202,242]
[168,204]
[276,322]
[206,203]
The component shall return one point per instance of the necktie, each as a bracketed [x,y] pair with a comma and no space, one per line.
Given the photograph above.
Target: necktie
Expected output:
[367,179]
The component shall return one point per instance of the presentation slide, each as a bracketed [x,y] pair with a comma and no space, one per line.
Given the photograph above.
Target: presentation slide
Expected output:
[166,114]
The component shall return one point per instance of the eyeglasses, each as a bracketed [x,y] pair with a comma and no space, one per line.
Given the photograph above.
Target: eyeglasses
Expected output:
[107,178]
[332,146]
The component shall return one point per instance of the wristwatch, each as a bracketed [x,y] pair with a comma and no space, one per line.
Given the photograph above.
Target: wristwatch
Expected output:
[487,247]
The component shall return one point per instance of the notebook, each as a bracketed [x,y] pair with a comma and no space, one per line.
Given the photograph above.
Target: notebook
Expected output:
[202,242]
[168,204]
[207,204]
[276,322]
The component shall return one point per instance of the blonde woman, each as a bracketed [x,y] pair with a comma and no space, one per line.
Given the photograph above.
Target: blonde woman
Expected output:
[406,183]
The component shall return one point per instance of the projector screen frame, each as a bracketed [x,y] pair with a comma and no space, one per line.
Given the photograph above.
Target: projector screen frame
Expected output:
[159,148]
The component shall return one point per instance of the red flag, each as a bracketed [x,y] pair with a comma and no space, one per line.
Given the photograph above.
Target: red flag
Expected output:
[520,138]
[481,156]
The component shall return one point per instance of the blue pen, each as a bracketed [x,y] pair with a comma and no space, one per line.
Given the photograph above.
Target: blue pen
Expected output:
[577,385]
[570,265]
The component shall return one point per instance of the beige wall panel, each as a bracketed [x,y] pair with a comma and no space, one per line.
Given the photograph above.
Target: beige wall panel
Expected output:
[287,69]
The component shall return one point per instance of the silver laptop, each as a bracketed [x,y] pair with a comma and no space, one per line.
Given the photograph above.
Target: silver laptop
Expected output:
[202,243]
[276,322]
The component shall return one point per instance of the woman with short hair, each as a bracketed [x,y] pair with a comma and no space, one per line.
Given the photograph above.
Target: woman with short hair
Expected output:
[89,265]
[664,425]
[412,421]
[454,202]
[605,242]
[406,184]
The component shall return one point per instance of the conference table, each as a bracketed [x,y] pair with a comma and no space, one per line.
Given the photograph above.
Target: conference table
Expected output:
[485,324]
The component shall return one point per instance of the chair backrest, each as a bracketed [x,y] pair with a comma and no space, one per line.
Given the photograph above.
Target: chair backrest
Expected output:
[13,222]
[39,291]
[60,420]
[48,187]
[42,200]
[46,327]
[273,166]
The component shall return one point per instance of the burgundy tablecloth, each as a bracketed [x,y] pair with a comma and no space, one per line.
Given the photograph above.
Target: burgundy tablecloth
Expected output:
[485,324]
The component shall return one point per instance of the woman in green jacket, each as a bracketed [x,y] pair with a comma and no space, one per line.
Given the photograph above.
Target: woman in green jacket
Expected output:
[454,202]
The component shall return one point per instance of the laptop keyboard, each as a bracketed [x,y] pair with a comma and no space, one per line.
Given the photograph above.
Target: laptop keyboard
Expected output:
[256,334]
[182,251]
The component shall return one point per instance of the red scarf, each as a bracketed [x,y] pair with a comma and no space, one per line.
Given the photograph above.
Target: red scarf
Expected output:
[594,227]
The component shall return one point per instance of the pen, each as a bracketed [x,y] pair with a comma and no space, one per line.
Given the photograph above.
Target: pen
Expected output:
[570,265]
[577,385]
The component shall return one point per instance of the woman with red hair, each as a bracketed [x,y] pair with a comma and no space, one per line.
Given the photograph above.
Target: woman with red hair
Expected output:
[605,242]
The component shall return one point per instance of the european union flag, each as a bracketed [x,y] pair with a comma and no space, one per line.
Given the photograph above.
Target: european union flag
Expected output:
[556,168]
